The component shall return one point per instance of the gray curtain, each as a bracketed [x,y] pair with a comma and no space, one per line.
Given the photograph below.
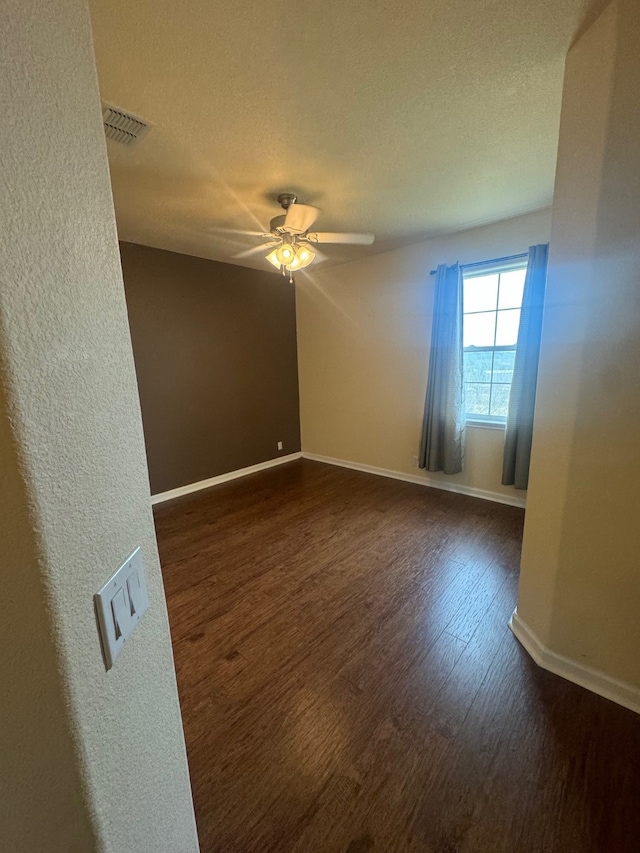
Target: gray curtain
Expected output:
[442,444]
[517,446]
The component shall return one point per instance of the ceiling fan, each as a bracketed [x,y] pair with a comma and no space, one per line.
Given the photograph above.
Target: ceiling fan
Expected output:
[290,246]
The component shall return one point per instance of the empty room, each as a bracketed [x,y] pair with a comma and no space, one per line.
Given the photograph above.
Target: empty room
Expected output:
[319,406]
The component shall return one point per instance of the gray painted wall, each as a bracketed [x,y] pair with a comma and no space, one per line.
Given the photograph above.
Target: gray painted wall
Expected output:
[215,353]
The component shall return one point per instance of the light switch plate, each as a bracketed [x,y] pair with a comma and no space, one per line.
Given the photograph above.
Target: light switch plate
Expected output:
[120,604]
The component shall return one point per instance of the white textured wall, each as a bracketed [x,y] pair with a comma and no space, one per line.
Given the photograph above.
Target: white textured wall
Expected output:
[364,332]
[90,760]
[580,576]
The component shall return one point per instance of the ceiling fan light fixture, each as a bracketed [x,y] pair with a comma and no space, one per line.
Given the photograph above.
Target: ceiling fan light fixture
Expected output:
[305,256]
[285,254]
[272,257]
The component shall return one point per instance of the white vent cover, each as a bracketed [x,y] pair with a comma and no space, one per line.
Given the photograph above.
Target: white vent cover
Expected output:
[122,126]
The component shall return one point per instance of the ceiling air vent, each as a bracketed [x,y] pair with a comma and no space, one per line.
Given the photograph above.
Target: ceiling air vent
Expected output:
[122,126]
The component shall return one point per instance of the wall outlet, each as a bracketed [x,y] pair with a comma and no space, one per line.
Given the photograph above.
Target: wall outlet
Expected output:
[279,445]
[415,461]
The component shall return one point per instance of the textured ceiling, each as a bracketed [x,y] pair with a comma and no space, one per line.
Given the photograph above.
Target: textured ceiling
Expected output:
[405,119]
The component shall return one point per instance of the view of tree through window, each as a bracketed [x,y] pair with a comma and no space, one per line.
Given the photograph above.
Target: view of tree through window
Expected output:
[491,307]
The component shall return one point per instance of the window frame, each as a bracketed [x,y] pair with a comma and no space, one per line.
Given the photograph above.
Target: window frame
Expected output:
[517,262]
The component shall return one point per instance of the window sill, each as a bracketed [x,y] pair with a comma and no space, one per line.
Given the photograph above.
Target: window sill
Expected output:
[486,424]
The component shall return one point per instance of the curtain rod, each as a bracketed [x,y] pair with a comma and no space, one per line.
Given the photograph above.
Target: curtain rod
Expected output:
[491,261]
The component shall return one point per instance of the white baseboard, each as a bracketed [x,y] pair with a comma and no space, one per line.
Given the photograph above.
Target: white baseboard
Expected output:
[222,478]
[591,679]
[422,480]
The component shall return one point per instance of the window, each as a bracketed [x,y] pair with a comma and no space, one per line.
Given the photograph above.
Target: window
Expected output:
[492,298]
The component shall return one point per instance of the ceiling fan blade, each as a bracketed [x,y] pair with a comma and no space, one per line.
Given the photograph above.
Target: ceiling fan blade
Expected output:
[299,218]
[254,251]
[336,237]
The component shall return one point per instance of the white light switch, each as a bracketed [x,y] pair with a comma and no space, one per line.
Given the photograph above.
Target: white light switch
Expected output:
[120,605]
[119,613]
[135,593]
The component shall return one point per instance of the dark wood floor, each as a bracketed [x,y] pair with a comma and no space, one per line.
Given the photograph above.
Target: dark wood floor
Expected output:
[349,684]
